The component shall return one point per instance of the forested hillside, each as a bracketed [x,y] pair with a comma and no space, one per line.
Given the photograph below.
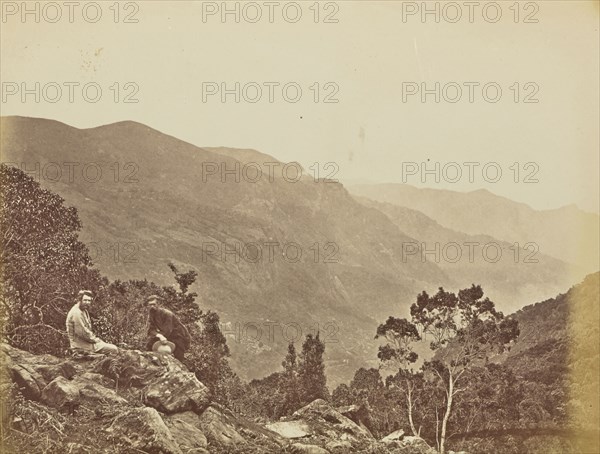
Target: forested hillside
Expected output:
[557,353]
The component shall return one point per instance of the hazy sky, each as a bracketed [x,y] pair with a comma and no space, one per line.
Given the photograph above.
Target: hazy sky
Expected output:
[172,51]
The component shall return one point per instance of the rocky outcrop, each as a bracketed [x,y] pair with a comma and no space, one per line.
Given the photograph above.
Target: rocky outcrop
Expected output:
[358,414]
[141,401]
[339,446]
[30,383]
[185,428]
[32,373]
[409,444]
[396,435]
[220,427]
[290,429]
[144,429]
[155,404]
[323,424]
[147,402]
[224,430]
[299,448]
[176,392]
[60,393]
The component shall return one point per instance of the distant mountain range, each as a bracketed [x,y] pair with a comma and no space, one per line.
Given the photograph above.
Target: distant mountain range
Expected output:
[160,199]
[566,233]
[512,276]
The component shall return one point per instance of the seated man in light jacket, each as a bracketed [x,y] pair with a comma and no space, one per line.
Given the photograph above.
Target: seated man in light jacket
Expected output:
[79,328]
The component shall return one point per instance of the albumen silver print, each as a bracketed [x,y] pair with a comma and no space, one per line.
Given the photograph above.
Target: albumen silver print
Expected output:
[303,227]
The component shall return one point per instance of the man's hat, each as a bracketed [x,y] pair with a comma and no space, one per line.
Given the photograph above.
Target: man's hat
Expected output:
[163,347]
[153,297]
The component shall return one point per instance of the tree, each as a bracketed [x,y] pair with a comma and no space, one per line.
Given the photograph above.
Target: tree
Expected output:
[301,381]
[265,397]
[366,380]
[376,403]
[491,400]
[184,280]
[400,334]
[181,302]
[289,381]
[342,395]
[119,313]
[312,380]
[208,355]
[42,263]
[464,330]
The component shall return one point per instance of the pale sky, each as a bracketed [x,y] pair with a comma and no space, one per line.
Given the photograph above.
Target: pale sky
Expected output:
[367,55]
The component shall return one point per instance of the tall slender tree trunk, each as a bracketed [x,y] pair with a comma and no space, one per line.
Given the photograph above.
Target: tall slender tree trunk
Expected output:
[437,429]
[447,414]
[410,406]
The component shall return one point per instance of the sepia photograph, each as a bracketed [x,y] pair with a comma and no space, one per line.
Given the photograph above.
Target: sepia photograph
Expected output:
[300,227]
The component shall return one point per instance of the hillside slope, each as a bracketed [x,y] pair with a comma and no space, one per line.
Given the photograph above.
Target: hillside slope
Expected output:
[160,208]
[512,276]
[159,199]
[559,347]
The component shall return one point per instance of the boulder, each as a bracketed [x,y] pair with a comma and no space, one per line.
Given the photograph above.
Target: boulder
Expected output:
[257,438]
[290,429]
[359,414]
[299,448]
[220,427]
[16,356]
[339,446]
[144,430]
[30,382]
[168,385]
[227,433]
[100,379]
[61,393]
[325,421]
[184,427]
[32,373]
[93,392]
[394,436]
[134,367]
[410,444]
[177,391]
[51,371]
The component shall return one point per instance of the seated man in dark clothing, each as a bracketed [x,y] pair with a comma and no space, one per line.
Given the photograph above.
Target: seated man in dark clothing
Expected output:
[164,325]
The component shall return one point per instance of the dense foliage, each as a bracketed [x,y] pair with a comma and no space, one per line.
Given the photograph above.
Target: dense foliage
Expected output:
[301,381]
[538,395]
[44,265]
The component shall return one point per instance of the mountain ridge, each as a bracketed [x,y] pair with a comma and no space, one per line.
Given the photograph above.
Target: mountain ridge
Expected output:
[162,209]
[566,233]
